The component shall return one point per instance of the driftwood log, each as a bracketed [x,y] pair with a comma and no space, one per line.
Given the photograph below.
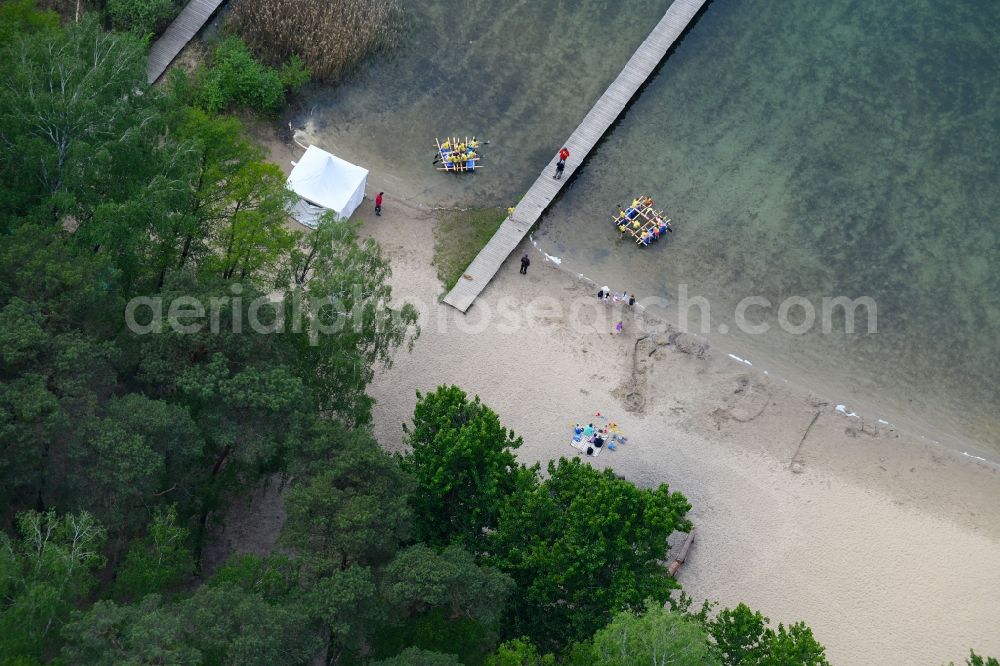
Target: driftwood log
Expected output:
[682,554]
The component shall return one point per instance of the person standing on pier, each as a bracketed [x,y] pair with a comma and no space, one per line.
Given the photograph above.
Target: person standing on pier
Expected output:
[561,164]
[525,262]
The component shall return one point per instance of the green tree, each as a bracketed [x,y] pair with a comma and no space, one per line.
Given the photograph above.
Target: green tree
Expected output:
[131,453]
[976,660]
[342,607]
[159,561]
[346,605]
[74,108]
[581,545]
[210,152]
[109,191]
[330,231]
[743,638]
[240,389]
[465,467]
[437,631]
[253,240]
[252,396]
[20,17]
[274,576]
[657,636]
[420,579]
[235,78]
[55,368]
[741,635]
[218,624]
[355,510]
[230,625]
[43,576]
[253,612]
[519,652]
[413,656]
[83,151]
[146,632]
[142,16]
[794,646]
[223,205]
[347,327]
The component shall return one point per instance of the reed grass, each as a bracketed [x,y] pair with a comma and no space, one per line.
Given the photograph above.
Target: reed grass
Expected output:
[331,36]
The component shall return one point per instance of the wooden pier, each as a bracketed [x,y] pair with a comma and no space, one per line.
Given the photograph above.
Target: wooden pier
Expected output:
[187,24]
[580,143]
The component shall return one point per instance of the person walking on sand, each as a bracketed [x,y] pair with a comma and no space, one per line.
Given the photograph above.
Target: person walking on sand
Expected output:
[525,262]
[378,204]
[618,329]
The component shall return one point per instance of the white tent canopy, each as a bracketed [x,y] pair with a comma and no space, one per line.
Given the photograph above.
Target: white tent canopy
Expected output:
[325,182]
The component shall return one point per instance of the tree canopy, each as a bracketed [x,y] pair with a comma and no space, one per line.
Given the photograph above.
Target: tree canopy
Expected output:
[43,575]
[144,382]
[656,636]
[582,544]
[464,464]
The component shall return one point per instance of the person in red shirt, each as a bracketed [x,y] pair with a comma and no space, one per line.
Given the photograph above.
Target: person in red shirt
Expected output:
[561,164]
[378,204]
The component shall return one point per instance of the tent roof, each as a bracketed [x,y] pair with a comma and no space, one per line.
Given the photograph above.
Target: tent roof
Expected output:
[325,179]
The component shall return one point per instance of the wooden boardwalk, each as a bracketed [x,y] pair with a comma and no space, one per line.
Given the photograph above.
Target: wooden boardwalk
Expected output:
[187,24]
[580,143]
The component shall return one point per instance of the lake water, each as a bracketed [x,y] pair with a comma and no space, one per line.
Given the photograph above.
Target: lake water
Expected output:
[803,149]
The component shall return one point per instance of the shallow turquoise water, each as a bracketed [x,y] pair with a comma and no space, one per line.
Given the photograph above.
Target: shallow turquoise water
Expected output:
[843,148]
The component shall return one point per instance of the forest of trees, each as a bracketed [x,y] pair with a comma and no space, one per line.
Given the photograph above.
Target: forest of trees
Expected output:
[121,447]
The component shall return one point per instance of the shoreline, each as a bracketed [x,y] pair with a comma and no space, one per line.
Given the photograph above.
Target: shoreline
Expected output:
[950,441]
[891,410]
[800,513]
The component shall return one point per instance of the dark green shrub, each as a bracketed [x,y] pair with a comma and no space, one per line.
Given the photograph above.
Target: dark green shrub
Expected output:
[294,73]
[236,78]
[22,17]
[142,16]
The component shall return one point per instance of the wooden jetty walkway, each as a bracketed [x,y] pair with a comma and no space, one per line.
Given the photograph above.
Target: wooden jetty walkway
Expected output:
[187,24]
[580,143]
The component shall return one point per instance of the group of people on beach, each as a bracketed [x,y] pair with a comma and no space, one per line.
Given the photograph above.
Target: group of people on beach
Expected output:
[591,439]
[606,296]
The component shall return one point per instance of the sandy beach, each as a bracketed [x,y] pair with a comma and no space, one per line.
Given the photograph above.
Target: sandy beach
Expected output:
[888,546]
